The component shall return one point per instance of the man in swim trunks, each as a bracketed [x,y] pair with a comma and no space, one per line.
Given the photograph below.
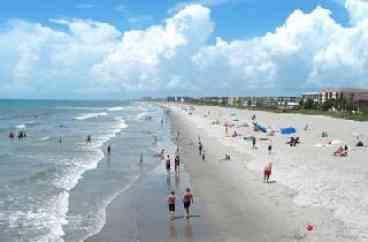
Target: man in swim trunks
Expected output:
[187,201]
[171,199]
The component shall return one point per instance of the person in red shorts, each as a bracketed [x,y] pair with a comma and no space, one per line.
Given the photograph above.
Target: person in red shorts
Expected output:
[267,172]
[171,200]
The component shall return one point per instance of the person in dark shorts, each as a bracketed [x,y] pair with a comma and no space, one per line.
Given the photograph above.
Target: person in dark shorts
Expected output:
[177,163]
[270,148]
[171,199]
[187,201]
[168,163]
[200,147]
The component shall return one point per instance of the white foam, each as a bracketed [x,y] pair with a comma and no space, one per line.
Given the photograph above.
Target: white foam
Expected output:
[21,126]
[45,138]
[114,109]
[91,115]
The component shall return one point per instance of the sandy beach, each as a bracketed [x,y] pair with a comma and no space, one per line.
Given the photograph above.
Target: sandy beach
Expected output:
[309,186]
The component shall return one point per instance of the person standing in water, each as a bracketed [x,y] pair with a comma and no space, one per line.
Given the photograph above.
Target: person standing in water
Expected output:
[171,200]
[168,165]
[89,139]
[141,158]
[187,201]
[108,149]
[177,163]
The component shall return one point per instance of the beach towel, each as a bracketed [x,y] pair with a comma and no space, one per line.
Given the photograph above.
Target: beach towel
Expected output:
[288,131]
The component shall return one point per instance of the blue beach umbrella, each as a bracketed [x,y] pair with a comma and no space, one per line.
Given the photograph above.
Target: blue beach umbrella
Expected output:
[261,128]
[288,131]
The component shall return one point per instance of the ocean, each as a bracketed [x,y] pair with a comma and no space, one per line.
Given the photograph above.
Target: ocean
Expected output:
[59,191]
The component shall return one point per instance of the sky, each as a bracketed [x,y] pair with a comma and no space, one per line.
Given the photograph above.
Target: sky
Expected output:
[117,49]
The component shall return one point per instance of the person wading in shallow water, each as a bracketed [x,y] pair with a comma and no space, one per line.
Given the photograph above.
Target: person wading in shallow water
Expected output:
[177,163]
[171,200]
[168,163]
[187,201]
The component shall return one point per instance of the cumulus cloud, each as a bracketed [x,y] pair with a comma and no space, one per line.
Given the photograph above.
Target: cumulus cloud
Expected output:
[84,57]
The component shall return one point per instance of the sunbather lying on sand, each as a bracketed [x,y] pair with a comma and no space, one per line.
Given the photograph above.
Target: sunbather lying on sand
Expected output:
[341,152]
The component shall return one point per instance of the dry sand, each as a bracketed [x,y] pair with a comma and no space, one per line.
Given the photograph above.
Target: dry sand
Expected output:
[312,186]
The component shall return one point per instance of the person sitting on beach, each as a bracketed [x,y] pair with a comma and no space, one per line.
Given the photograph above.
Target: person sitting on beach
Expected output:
[341,152]
[360,144]
[187,201]
[235,134]
[267,172]
[227,156]
[171,200]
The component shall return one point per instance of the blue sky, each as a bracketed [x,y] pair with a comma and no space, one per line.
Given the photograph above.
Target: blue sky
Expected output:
[234,18]
[115,48]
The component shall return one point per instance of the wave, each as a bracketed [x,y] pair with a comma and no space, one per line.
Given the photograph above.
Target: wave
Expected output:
[114,109]
[20,126]
[91,115]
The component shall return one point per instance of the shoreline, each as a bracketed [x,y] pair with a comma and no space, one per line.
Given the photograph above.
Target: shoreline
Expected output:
[234,203]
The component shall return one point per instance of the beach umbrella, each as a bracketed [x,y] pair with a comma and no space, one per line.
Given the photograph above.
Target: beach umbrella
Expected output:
[261,128]
[288,131]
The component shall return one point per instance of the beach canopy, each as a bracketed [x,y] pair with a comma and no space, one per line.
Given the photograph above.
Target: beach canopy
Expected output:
[261,128]
[287,131]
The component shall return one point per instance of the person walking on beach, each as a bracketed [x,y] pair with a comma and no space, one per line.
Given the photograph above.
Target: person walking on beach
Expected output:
[267,172]
[187,201]
[168,163]
[171,200]
[203,155]
[270,147]
[253,142]
[200,147]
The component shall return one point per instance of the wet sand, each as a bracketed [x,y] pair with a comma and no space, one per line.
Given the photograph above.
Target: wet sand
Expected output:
[232,201]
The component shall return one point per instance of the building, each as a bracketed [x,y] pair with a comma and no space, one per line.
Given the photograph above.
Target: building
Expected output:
[350,94]
[314,96]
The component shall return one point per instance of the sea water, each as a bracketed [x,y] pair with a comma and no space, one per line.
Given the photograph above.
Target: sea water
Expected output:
[58,191]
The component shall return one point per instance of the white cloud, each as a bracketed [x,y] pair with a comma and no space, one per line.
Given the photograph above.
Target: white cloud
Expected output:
[94,58]
[358,10]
